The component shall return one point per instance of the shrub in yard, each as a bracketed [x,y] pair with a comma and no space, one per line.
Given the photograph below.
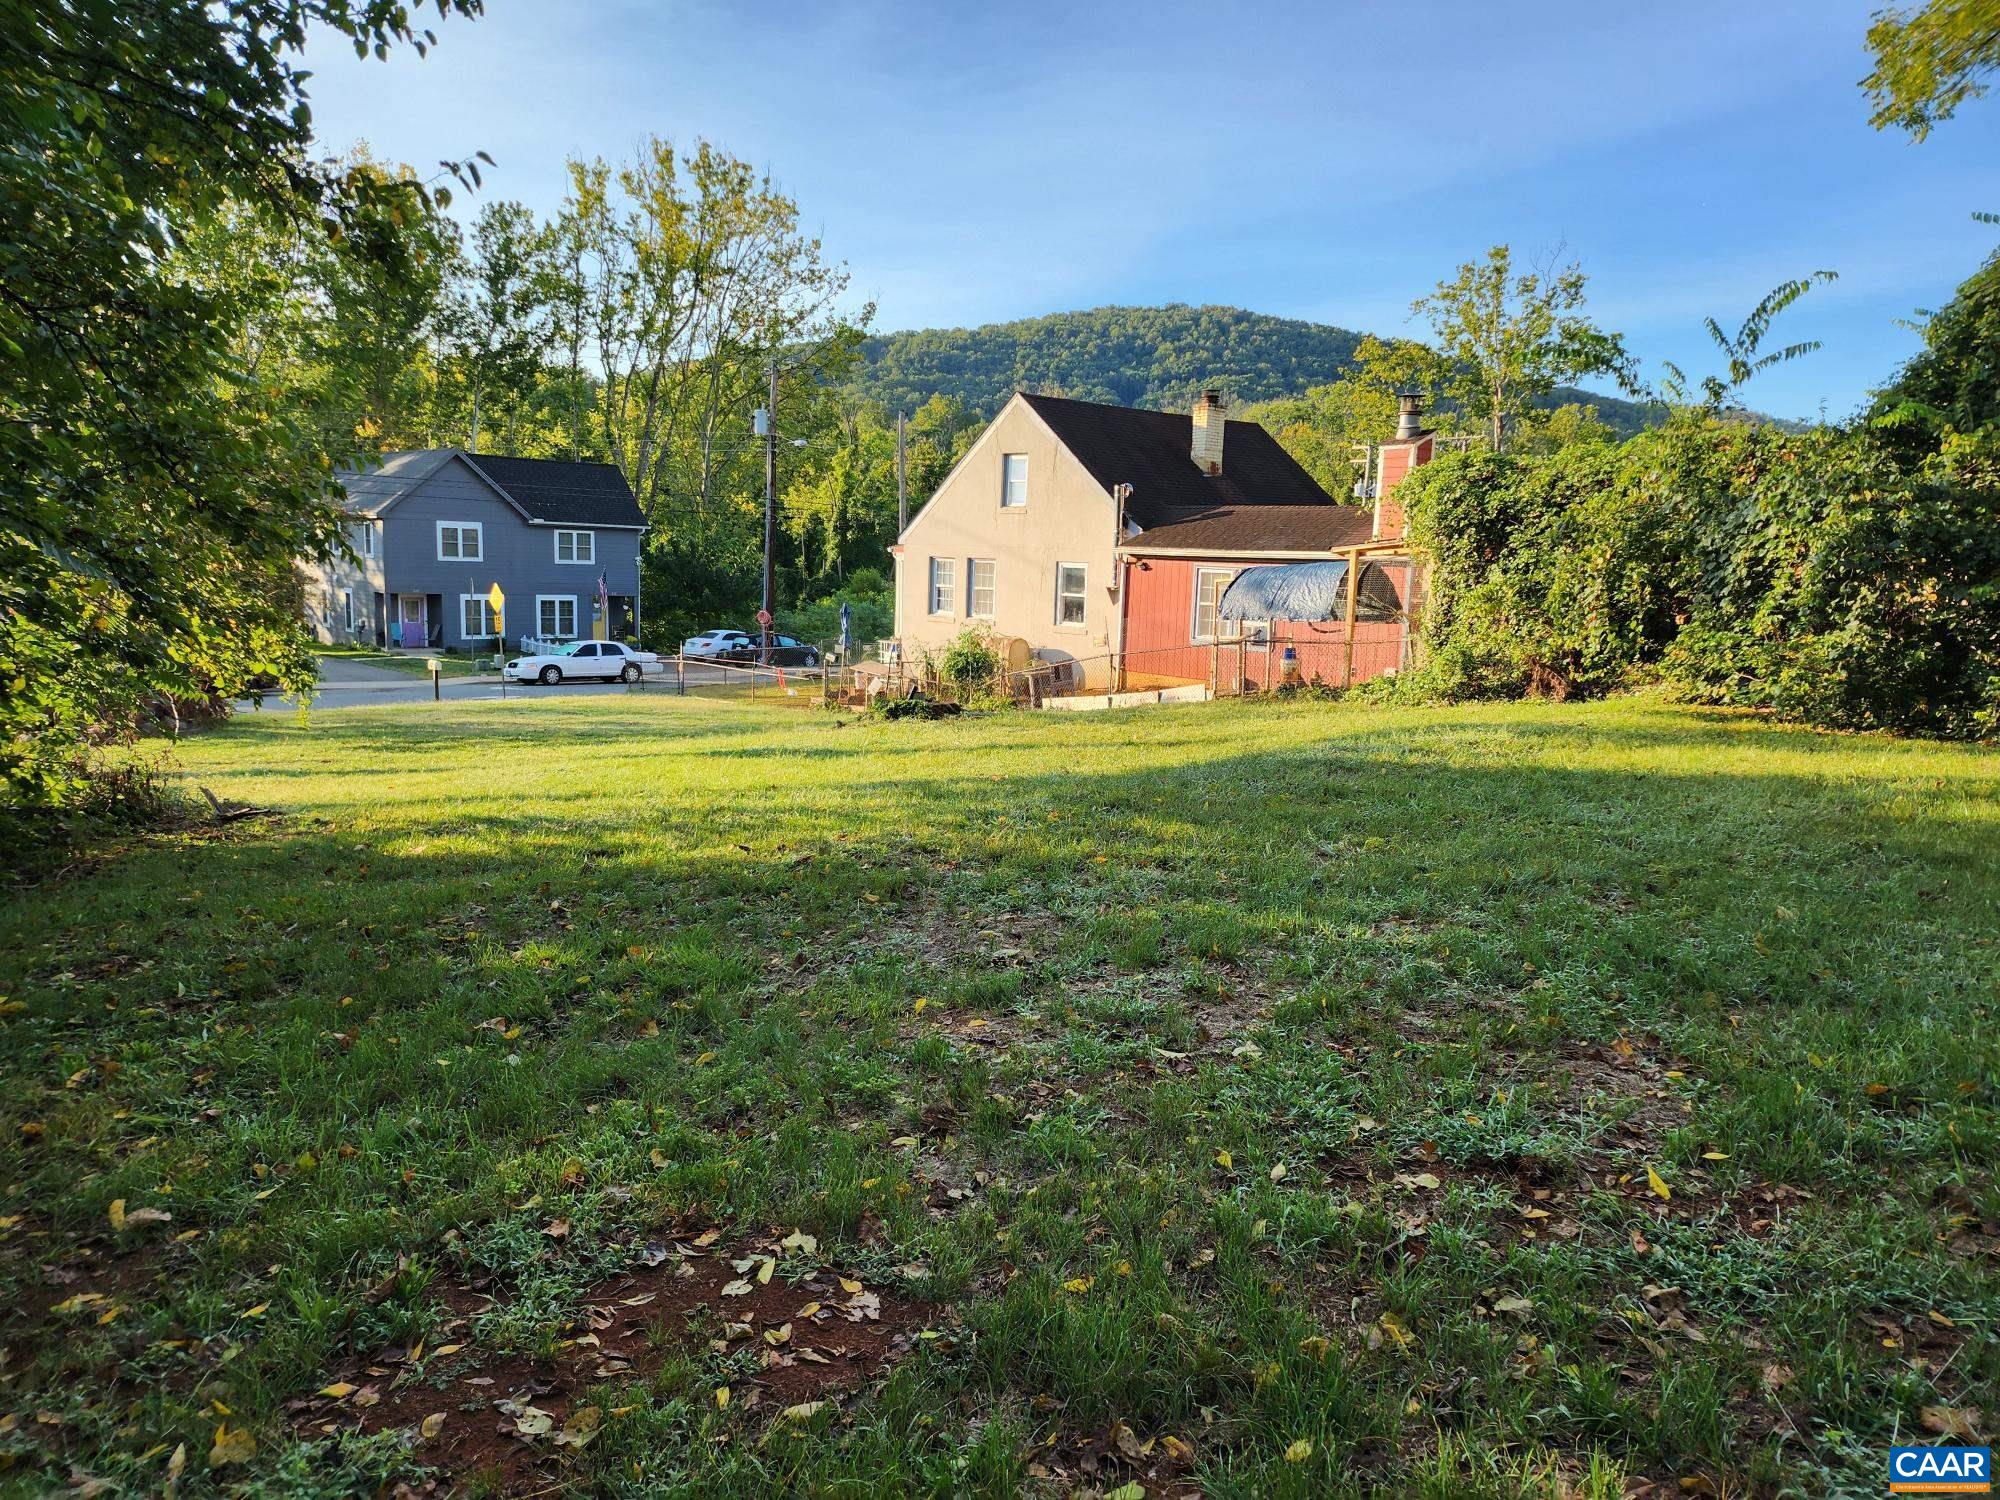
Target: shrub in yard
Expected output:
[1826,574]
[970,662]
[1556,574]
[1842,576]
[871,603]
[1841,589]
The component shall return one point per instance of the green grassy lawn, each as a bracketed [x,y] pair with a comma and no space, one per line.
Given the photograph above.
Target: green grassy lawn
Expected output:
[1251,1099]
[412,664]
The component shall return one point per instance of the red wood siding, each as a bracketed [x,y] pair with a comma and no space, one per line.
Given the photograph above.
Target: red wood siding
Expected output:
[1159,649]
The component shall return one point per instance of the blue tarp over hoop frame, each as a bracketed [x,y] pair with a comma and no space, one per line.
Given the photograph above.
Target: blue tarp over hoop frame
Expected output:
[1309,591]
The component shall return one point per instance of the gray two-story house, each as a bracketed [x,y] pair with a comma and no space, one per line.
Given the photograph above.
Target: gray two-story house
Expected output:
[434,530]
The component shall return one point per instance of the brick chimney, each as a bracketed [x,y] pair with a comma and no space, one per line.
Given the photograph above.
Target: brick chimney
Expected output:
[1410,448]
[1210,414]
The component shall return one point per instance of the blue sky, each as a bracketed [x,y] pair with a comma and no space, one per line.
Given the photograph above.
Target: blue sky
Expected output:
[1332,161]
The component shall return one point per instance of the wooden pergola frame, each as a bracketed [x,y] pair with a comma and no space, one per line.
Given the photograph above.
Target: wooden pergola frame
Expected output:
[1352,556]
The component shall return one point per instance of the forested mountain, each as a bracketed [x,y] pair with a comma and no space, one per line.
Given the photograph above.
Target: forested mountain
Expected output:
[1133,356]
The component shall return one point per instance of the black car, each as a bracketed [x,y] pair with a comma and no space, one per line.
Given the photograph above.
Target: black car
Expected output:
[786,651]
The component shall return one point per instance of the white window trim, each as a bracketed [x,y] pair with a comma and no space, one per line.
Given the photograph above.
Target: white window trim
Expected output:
[362,534]
[1194,607]
[1023,502]
[1082,594]
[576,562]
[485,617]
[950,576]
[972,610]
[347,598]
[477,528]
[558,633]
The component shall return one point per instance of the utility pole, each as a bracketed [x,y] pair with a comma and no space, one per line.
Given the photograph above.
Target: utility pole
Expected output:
[770,423]
[902,482]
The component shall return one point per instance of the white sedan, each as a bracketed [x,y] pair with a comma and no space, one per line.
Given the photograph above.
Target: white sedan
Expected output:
[715,643]
[583,661]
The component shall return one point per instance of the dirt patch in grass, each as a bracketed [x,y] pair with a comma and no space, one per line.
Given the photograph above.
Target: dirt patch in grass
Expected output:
[73,1279]
[807,1333]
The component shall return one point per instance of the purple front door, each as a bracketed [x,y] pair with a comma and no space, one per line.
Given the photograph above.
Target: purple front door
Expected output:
[411,627]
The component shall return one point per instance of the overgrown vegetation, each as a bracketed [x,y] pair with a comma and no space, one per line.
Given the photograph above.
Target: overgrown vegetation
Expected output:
[1843,576]
[1193,1119]
[158,473]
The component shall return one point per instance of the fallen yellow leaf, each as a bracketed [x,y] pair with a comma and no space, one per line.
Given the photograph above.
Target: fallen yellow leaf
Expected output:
[1659,1184]
[1299,1452]
[232,1445]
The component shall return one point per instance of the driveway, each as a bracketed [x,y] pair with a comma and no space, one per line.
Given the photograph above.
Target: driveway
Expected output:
[344,683]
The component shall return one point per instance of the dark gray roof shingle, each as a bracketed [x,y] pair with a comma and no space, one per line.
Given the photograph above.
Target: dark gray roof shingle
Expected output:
[1150,450]
[560,492]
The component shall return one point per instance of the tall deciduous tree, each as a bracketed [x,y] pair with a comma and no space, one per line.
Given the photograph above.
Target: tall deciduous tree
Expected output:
[1930,59]
[383,339]
[1510,337]
[1321,425]
[697,275]
[496,321]
[153,489]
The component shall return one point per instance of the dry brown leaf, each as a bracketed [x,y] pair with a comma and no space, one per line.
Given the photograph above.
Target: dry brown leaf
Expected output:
[1951,1421]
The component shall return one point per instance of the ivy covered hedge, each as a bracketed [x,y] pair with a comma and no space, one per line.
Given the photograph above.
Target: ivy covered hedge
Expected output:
[1841,576]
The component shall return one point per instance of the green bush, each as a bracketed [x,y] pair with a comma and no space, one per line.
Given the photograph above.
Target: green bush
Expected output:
[871,602]
[1815,573]
[1841,576]
[970,661]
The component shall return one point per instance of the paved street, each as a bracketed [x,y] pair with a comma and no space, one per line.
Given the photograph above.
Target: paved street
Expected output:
[353,684]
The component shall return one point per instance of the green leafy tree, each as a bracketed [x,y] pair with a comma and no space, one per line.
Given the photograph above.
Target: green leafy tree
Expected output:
[496,323]
[1846,577]
[1322,426]
[382,339]
[1952,385]
[1929,60]
[697,277]
[154,487]
[1743,352]
[1509,338]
